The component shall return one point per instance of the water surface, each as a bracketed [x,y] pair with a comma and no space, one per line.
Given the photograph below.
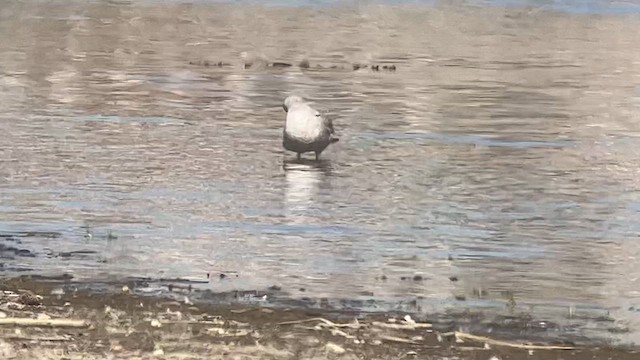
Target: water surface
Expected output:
[497,166]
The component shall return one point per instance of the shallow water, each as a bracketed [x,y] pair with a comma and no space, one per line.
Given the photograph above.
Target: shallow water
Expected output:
[496,168]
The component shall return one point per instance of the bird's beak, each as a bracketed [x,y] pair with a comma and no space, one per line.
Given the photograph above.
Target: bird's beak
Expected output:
[285,108]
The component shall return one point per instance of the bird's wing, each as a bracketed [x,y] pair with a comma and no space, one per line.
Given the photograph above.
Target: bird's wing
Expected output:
[327,121]
[329,124]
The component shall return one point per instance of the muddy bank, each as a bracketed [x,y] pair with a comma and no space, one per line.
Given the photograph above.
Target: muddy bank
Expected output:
[40,319]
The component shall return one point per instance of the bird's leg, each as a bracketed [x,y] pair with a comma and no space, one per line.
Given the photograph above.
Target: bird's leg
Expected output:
[298,156]
[317,156]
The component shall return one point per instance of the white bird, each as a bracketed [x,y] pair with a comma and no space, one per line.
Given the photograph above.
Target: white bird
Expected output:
[305,129]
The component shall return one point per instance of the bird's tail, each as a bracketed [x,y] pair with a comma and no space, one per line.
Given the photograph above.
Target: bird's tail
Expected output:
[334,140]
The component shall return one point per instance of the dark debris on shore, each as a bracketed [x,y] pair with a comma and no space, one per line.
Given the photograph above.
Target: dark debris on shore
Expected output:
[304,65]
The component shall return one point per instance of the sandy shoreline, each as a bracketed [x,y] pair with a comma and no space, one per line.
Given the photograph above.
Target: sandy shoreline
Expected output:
[37,320]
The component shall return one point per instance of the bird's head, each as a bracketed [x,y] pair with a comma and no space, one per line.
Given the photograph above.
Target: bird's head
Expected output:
[290,101]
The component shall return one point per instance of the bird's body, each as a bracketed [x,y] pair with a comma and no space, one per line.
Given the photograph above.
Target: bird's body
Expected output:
[305,129]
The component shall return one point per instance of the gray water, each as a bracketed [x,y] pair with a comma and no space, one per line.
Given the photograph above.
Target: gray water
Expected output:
[502,153]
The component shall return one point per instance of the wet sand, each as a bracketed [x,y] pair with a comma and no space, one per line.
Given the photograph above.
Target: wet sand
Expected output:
[128,326]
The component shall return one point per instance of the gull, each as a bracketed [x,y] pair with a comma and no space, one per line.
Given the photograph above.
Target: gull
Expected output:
[305,129]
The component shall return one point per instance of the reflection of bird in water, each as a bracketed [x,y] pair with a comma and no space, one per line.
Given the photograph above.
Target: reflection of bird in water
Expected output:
[305,129]
[303,183]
